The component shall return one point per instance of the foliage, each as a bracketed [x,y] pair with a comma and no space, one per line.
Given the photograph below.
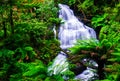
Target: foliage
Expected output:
[105,20]
[43,8]
[27,39]
[30,71]
[99,20]
[110,33]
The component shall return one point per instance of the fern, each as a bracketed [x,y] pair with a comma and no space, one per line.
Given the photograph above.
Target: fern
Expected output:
[34,69]
[85,45]
[99,20]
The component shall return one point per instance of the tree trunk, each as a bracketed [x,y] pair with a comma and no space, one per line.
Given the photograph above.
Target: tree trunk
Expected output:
[11,19]
[5,30]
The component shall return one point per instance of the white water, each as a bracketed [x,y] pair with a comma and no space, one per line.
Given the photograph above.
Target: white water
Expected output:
[70,31]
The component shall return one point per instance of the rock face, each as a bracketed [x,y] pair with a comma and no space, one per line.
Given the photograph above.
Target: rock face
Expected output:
[70,31]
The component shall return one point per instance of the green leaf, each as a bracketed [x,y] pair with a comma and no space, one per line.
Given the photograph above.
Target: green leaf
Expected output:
[112,59]
[109,66]
[116,54]
[105,80]
[11,52]
[28,48]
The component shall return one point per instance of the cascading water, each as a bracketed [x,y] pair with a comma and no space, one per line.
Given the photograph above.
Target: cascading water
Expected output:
[70,31]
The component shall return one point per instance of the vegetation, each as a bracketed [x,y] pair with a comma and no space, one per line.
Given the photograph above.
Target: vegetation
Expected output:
[105,20]
[28,46]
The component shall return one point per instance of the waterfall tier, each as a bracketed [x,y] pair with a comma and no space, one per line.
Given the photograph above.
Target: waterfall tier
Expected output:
[72,29]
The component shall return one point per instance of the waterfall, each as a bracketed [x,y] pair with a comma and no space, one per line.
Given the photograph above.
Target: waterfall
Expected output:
[69,32]
[72,29]
[54,30]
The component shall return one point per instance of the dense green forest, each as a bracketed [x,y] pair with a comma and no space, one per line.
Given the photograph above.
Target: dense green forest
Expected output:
[28,46]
